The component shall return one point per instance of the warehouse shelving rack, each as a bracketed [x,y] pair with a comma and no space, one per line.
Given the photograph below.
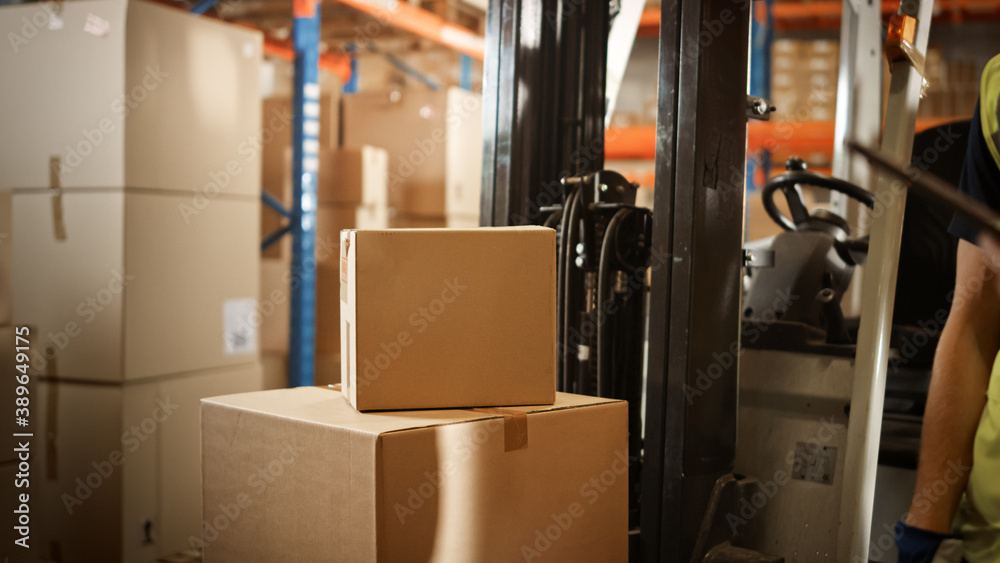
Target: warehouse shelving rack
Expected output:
[304,51]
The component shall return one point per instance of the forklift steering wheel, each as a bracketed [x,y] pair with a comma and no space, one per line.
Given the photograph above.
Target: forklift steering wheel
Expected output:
[797,174]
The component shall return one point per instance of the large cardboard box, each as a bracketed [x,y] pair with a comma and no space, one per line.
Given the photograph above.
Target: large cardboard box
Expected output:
[439,318]
[434,140]
[298,471]
[181,93]
[116,469]
[127,284]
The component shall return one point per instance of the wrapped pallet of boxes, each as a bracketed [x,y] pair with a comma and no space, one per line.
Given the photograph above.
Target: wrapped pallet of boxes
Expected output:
[134,246]
[299,471]
[435,144]
[441,305]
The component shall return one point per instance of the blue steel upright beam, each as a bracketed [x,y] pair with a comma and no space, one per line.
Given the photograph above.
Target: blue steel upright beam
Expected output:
[305,163]
[761,38]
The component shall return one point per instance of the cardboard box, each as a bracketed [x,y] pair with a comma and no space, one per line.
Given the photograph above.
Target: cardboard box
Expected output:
[181,93]
[348,176]
[453,485]
[463,221]
[433,139]
[326,370]
[275,289]
[387,218]
[126,284]
[275,369]
[275,294]
[116,469]
[439,318]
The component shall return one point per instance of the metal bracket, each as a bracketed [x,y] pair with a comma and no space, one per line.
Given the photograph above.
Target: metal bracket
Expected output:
[758,258]
[759,108]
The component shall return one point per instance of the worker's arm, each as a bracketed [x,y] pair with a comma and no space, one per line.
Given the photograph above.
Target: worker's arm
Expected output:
[957,395]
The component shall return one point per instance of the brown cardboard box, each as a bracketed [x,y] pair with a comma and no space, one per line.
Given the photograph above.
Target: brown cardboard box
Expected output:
[463,221]
[275,294]
[430,317]
[275,369]
[276,137]
[127,284]
[298,471]
[422,131]
[116,472]
[348,176]
[369,217]
[326,370]
[181,93]
[275,290]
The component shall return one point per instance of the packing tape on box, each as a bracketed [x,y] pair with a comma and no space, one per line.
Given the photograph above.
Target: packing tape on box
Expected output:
[515,423]
[52,422]
[345,245]
[55,183]
[515,427]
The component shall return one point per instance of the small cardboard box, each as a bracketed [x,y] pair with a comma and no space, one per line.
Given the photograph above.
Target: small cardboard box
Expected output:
[298,471]
[116,469]
[440,318]
[347,176]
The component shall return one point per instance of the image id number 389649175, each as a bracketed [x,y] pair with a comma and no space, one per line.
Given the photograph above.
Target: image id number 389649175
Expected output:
[22,439]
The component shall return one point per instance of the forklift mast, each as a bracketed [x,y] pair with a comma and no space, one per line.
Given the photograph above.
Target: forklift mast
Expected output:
[544,111]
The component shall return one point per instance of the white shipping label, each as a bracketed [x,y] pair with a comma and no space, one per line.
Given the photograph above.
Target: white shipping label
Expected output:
[239,326]
[96,25]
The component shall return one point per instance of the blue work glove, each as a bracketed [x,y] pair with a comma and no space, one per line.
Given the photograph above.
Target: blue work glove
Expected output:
[917,545]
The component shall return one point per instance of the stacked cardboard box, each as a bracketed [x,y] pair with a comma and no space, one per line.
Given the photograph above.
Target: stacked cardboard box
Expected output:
[434,142]
[134,168]
[804,85]
[804,79]
[432,320]
[952,86]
